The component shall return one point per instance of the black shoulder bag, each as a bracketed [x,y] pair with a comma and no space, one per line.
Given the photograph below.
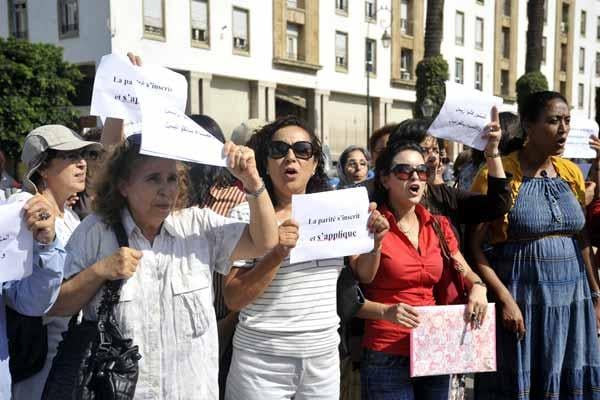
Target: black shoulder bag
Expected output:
[94,360]
[27,344]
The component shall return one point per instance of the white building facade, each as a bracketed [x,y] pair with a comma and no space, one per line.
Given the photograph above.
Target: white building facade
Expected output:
[264,58]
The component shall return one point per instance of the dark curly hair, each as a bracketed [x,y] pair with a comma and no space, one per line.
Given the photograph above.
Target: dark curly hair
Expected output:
[118,166]
[384,164]
[259,142]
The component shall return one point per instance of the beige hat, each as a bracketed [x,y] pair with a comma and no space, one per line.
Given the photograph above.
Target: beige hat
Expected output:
[40,140]
[241,134]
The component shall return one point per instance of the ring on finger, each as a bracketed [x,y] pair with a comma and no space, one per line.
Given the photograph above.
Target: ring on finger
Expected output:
[43,215]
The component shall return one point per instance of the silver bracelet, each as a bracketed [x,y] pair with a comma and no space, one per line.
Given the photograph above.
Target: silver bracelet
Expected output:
[595,295]
[257,193]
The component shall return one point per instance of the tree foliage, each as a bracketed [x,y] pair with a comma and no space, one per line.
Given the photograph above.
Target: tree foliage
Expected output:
[432,73]
[529,83]
[35,89]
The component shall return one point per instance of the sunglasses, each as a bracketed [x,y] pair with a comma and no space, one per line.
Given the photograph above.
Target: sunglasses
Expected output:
[302,150]
[404,172]
[76,155]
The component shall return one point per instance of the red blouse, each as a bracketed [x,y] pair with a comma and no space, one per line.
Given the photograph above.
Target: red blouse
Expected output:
[405,275]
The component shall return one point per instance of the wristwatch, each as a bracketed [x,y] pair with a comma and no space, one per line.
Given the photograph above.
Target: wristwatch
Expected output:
[480,283]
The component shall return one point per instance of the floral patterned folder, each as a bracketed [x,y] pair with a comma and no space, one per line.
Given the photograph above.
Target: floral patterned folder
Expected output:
[444,344]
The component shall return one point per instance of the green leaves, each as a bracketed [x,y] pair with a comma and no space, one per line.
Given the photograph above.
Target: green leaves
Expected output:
[35,89]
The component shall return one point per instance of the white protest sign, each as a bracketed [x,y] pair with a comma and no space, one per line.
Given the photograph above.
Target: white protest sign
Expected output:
[117,84]
[169,133]
[463,116]
[16,242]
[577,145]
[332,224]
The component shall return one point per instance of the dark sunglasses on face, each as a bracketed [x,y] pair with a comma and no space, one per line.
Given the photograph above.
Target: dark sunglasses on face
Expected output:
[302,150]
[404,172]
[76,155]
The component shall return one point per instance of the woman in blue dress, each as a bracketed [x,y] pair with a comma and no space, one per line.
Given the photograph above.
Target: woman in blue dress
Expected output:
[539,269]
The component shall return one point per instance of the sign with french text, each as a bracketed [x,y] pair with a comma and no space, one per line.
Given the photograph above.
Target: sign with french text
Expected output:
[332,224]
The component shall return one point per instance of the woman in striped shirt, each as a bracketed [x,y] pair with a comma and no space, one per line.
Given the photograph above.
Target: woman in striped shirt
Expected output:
[286,342]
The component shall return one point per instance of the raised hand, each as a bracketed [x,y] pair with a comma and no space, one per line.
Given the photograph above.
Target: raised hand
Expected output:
[242,164]
[493,132]
[135,59]
[40,218]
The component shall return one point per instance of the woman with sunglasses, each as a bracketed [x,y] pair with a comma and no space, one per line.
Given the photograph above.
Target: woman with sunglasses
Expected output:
[56,161]
[403,276]
[286,341]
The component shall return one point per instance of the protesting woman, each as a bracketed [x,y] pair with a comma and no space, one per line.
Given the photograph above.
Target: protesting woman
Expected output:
[353,167]
[407,266]
[165,304]
[56,161]
[542,280]
[286,342]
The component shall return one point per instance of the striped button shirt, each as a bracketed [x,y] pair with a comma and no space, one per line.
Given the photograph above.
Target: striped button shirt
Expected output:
[296,314]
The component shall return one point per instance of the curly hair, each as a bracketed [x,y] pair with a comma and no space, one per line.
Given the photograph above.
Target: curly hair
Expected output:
[122,160]
[259,142]
[384,164]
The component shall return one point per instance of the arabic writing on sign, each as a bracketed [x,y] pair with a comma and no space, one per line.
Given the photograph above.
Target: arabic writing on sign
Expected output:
[577,145]
[471,113]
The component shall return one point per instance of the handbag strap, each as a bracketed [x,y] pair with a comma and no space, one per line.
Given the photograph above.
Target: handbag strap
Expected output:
[442,238]
[110,295]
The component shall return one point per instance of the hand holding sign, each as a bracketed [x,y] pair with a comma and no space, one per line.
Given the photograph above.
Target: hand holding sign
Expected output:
[288,237]
[40,219]
[242,164]
[378,225]
[595,145]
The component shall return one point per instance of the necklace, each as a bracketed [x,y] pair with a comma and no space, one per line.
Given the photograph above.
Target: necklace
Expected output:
[406,230]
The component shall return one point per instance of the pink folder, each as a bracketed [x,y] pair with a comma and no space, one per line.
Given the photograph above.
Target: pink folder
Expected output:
[444,344]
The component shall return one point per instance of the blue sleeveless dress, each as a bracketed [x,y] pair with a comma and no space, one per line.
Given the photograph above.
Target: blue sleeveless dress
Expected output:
[542,267]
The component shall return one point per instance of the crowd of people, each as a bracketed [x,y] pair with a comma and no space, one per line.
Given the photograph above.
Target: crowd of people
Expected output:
[217,309]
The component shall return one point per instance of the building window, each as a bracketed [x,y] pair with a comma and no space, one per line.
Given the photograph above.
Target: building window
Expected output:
[18,18]
[405,25]
[154,21]
[544,44]
[583,22]
[406,64]
[459,28]
[341,51]
[459,70]
[506,8]
[504,82]
[564,23]
[295,3]
[479,33]
[370,8]
[597,64]
[371,56]
[68,16]
[581,60]
[505,42]
[241,36]
[341,6]
[479,76]
[292,35]
[580,95]
[545,12]
[563,57]
[598,28]
[199,15]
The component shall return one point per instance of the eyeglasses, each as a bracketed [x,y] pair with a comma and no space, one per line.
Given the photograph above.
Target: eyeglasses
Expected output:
[356,165]
[279,149]
[76,155]
[403,172]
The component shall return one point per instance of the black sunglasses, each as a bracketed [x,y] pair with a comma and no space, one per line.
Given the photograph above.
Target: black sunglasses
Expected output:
[302,150]
[403,172]
[76,155]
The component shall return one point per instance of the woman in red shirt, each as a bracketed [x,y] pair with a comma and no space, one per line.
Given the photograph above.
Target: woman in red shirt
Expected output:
[409,265]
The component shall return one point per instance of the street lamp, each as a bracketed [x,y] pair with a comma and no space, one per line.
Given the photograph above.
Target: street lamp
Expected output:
[386,40]
[427,107]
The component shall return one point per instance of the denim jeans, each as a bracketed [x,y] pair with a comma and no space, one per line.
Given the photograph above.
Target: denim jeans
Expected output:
[387,377]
